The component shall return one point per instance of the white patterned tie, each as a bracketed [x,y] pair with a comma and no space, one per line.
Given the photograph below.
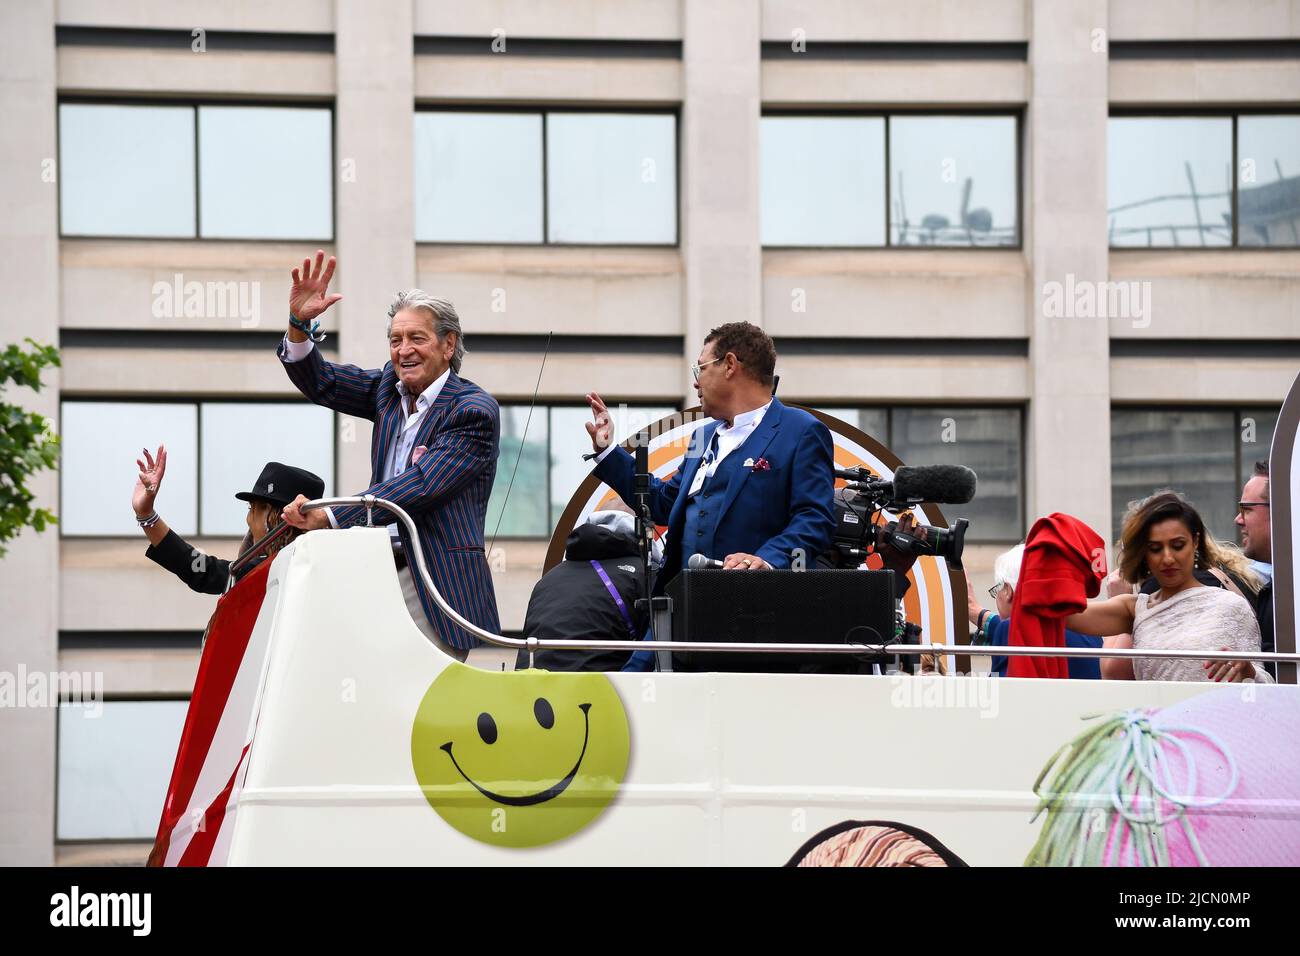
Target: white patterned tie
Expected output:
[702,473]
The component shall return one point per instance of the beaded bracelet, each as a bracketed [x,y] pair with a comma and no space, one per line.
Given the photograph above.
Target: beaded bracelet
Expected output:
[312,331]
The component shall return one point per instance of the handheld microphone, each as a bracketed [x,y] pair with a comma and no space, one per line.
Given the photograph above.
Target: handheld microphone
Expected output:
[913,484]
[699,562]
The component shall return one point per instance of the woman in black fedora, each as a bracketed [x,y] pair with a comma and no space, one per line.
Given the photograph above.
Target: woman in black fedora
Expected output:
[276,486]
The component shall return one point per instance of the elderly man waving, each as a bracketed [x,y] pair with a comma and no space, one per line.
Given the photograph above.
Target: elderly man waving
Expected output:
[433,449]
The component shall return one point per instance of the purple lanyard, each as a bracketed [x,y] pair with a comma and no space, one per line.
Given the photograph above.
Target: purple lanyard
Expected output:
[618,599]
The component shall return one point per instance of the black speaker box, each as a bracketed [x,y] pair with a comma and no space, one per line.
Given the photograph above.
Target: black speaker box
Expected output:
[819,606]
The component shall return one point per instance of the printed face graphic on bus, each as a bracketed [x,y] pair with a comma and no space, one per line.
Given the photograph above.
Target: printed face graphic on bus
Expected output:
[519,758]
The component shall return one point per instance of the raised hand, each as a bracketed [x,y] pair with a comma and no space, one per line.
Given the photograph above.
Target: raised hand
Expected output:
[148,481]
[600,429]
[309,296]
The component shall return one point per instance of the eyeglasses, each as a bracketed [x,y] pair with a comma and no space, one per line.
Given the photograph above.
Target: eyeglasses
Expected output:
[1244,506]
[996,590]
[695,369]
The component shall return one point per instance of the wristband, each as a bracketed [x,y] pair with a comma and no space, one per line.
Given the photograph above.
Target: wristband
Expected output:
[312,331]
[149,520]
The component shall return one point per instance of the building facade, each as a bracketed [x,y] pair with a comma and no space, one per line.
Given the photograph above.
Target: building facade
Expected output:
[1054,240]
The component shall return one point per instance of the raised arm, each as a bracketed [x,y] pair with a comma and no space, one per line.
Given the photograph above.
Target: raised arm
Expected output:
[344,388]
[617,468]
[1103,618]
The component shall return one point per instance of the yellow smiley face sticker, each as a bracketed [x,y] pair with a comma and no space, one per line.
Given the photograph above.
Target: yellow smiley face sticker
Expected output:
[520,758]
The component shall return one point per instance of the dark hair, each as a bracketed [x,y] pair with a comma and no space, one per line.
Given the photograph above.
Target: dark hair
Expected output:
[1261,471]
[1162,506]
[751,345]
[272,519]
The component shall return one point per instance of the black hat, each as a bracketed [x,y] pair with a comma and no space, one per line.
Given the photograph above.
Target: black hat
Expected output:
[280,484]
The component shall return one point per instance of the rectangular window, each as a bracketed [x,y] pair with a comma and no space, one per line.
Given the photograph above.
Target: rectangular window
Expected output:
[986,440]
[947,180]
[265,173]
[1170,181]
[611,178]
[555,177]
[1268,164]
[953,181]
[478,177]
[114,767]
[1206,455]
[522,473]
[823,181]
[100,442]
[239,438]
[126,170]
[214,451]
[570,441]
[187,171]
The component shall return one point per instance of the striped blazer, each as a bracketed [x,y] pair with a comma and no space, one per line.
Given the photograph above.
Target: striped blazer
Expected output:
[445,493]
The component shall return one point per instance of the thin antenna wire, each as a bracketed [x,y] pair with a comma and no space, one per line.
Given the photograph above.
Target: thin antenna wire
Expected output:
[522,442]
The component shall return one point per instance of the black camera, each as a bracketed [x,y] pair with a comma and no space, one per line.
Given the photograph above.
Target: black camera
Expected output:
[857,533]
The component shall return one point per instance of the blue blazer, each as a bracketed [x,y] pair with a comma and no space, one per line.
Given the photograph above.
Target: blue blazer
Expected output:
[768,513]
[445,493]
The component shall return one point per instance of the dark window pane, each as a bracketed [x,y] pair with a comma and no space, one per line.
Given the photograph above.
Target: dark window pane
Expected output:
[952,181]
[1190,452]
[987,440]
[1255,432]
[1170,181]
[1268,160]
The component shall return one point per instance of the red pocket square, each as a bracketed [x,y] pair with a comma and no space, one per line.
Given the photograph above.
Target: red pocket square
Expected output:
[762,465]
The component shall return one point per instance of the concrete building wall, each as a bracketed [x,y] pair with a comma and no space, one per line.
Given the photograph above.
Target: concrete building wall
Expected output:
[29,274]
[880,327]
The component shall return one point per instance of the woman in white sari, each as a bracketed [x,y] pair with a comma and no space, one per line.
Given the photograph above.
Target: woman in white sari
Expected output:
[1164,537]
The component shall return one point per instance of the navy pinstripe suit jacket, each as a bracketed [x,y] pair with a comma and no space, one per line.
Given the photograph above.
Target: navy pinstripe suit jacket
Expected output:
[445,493]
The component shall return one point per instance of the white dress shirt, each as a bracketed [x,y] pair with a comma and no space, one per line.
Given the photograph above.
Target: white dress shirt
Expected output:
[400,453]
[725,440]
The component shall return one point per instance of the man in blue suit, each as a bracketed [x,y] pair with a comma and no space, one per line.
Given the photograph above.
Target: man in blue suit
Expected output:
[756,486]
[433,450]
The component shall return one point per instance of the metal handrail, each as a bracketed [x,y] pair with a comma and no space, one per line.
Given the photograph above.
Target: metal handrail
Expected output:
[534,644]
[279,531]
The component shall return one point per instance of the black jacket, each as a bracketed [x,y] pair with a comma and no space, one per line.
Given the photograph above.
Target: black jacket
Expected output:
[571,601]
[202,572]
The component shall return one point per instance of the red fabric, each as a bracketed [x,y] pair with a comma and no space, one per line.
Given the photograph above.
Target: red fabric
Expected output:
[1063,566]
[228,633]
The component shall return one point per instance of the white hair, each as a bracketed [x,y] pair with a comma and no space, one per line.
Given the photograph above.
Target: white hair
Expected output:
[1006,569]
[441,313]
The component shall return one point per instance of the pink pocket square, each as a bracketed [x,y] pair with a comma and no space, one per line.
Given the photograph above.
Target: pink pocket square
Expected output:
[418,453]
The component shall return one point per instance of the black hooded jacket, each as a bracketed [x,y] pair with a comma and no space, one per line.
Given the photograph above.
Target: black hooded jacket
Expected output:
[572,602]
